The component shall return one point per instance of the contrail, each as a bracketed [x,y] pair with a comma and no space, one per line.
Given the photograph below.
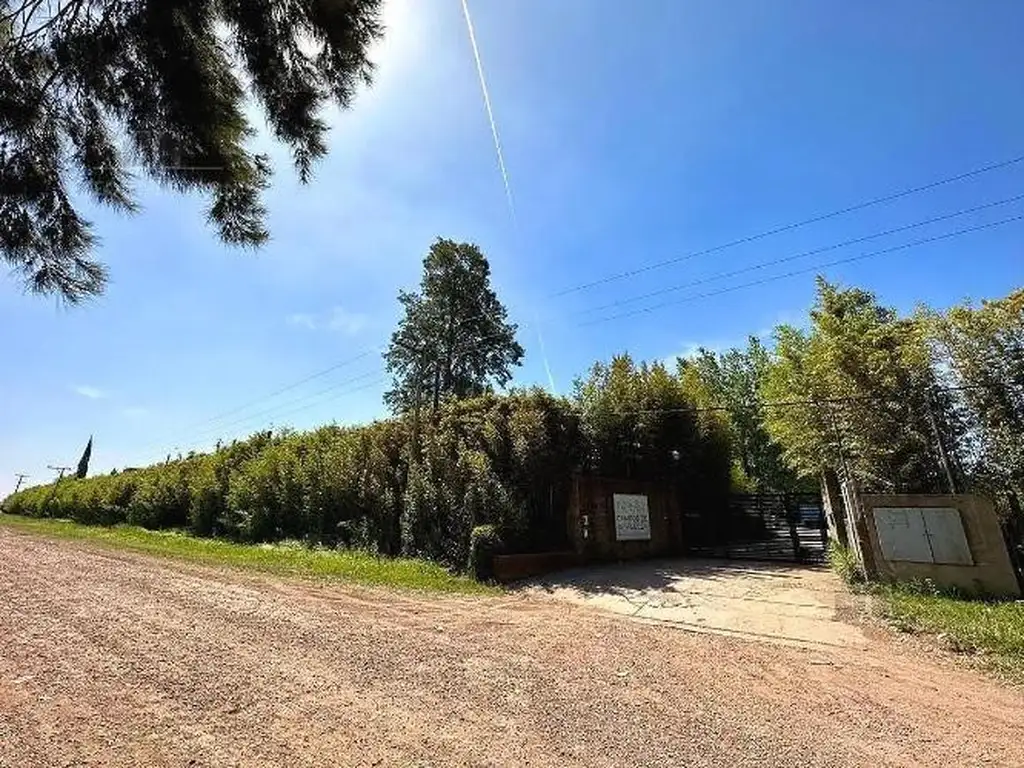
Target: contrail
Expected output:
[544,354]
[487,106]
[502,168]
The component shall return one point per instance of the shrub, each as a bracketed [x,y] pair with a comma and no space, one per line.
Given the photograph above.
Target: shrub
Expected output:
[484,544]
[843,560]
[208,490]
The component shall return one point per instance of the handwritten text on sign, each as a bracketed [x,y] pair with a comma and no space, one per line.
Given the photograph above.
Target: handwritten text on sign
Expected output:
[632,518]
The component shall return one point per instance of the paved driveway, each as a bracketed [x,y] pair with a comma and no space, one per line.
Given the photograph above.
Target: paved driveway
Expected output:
[782,603]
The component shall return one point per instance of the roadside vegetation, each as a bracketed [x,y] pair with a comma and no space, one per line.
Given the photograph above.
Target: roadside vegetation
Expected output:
[992,629]
[843,561]
[286,558]
[905,404]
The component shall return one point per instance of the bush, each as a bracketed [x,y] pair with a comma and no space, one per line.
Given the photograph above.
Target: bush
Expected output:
[484,544]
[843,560]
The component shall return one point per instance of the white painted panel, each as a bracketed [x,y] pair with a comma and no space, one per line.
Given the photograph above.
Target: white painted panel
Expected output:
[632,518]
[946,533]
[902,535]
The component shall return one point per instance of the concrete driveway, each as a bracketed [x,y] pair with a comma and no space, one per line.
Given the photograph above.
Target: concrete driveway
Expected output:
[774,602]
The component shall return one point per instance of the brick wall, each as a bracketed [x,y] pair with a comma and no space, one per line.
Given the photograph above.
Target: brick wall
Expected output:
[591,510]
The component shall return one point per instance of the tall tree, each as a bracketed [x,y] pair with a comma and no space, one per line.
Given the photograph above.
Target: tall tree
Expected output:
[454,339]
[733,380]
[863,392]
[982,349]
[92,89]
[83,463]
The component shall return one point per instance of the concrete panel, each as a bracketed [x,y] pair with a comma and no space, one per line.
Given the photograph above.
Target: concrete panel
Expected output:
[946,535]
[991,572]
[902,534]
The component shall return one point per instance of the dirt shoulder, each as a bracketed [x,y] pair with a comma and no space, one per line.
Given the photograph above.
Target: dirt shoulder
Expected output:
[114,659]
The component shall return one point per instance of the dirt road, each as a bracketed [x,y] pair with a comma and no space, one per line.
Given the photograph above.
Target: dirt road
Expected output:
[109,659]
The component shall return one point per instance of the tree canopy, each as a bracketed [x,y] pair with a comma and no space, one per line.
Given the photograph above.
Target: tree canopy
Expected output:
[92,90]
[981,349]
[644,422]
[861,392]
[454,339]
[732,380]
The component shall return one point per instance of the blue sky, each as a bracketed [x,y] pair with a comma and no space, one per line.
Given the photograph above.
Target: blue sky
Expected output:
[629,137]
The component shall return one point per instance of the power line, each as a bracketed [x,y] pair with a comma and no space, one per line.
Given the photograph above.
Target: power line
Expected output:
[789,227]
[204,441]
[282,390]
[801,255]
[777,403]
[271,413]
[794,273]
[688,409]
[246,419]
[458,349]
[481,315]
[315,375]
[272,410]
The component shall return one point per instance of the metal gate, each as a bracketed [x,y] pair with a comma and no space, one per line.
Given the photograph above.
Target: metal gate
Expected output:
[788,527]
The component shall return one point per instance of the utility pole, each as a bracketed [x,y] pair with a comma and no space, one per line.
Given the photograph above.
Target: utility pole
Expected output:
[21,477]
[60,477]
[62,470]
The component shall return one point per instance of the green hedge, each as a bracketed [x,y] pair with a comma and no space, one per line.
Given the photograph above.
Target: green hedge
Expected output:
[500,461]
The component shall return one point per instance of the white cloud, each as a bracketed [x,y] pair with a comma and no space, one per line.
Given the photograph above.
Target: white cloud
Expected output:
[93,393]
[302,320]
[338,319]
[348,323]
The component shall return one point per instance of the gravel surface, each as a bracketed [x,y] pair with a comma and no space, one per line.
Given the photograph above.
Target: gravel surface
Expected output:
[110,659]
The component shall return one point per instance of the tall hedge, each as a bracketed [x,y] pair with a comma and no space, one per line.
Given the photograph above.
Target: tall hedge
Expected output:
[502,461]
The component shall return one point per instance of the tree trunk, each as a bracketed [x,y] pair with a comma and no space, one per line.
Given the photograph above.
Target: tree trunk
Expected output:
[437,386]
[449,353]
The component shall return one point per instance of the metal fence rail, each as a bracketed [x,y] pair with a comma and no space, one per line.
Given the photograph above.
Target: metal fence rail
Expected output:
[784,527]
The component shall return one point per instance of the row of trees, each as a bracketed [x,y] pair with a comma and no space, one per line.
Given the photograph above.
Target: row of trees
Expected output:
[454,456]
[926,402]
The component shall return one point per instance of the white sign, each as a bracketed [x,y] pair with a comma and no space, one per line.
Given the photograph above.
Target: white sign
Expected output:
[632,518]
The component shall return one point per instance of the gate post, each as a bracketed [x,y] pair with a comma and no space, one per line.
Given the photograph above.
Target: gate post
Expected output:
[791,517]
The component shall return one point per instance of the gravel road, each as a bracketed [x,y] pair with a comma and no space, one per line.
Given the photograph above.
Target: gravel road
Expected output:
[111,659]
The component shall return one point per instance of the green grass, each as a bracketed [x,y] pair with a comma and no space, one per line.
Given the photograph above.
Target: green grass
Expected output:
[993,629]
[294,560]
[843,561]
